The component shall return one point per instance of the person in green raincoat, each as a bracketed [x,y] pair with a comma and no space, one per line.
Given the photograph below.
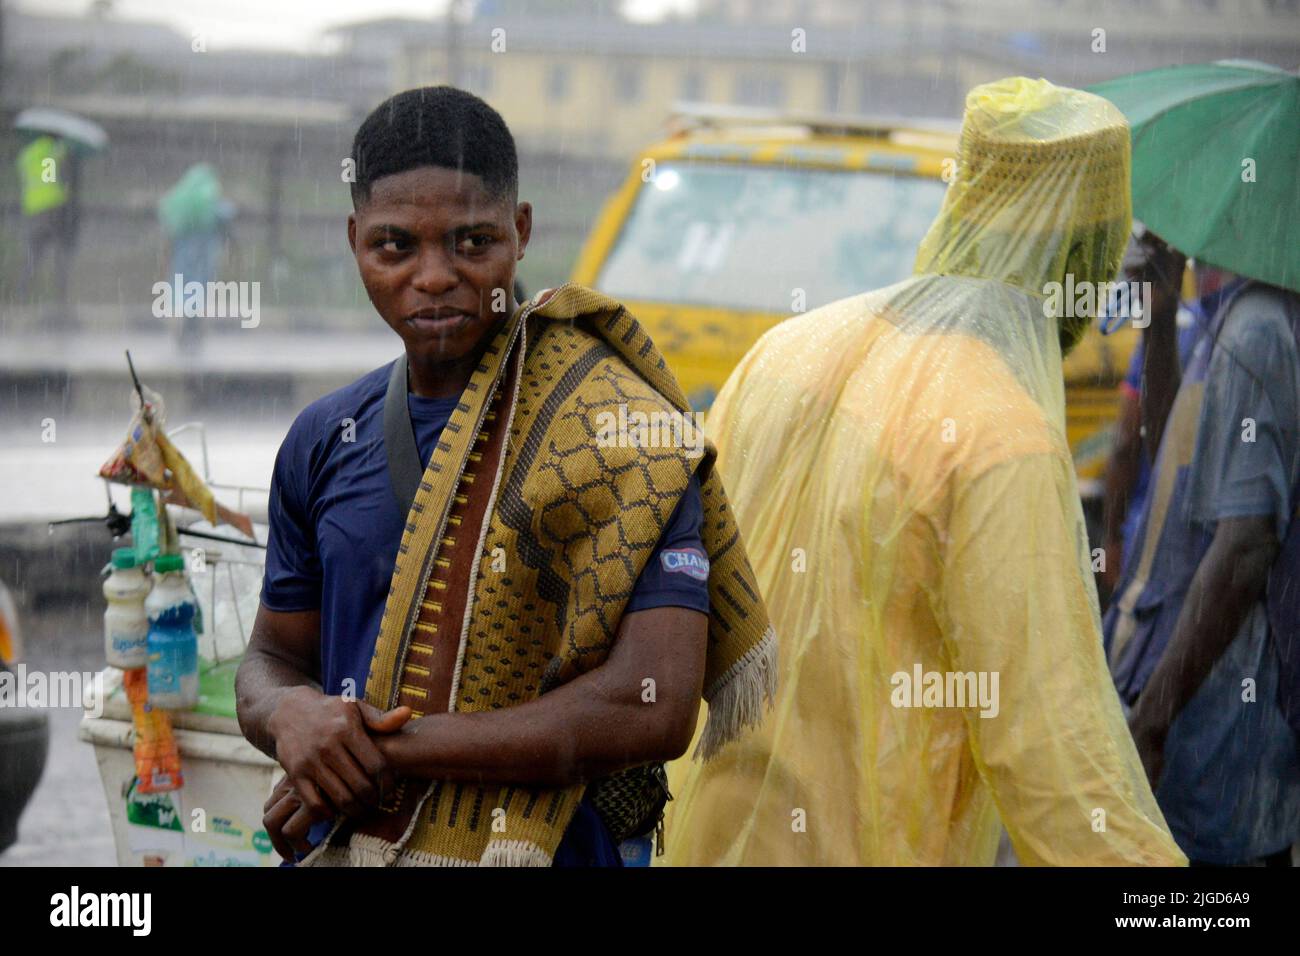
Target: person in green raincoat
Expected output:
[195,217]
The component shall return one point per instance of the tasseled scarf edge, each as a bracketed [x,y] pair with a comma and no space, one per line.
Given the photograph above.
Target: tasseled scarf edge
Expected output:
[514,853]
[366,850]
[740,698]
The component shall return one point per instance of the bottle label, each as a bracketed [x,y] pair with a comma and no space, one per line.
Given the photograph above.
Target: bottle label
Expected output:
[171,661]
[128,644]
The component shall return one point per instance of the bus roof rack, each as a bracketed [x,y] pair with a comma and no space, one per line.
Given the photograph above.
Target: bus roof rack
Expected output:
[688,116]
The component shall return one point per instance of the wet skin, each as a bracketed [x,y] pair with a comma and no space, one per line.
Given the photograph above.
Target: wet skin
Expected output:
[437,252]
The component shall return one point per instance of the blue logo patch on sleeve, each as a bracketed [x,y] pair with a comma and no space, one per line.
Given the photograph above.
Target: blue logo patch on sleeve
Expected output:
[688,561]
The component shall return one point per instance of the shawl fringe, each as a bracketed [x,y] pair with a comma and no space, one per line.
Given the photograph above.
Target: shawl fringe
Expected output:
[740,697]
[514,853]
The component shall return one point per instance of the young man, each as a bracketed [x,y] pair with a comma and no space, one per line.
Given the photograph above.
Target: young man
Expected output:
[445,658]
[901,472]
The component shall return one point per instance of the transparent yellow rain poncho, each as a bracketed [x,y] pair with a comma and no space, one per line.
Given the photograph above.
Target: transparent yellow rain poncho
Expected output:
[899,468]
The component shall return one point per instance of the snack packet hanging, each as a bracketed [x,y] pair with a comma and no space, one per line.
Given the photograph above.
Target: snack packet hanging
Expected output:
[144,524]
[148,457]
[157,758]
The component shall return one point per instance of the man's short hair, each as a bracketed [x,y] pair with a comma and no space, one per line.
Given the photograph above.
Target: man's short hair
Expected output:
[435,126]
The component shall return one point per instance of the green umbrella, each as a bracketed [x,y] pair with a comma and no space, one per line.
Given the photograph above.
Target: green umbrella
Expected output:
[1216,162]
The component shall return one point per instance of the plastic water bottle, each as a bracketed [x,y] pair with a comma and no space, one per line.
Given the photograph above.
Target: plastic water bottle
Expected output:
[126,628]
[173,665]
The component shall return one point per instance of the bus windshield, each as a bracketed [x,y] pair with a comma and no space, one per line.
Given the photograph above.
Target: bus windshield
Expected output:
[768,238]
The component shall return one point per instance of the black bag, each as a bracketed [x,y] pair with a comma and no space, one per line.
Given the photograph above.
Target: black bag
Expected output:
[629,802]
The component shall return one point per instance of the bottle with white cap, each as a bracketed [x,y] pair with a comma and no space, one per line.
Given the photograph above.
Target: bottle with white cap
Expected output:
[126,628]
[173,666]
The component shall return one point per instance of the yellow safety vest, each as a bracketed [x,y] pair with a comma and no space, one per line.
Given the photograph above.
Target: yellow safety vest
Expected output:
[42,182]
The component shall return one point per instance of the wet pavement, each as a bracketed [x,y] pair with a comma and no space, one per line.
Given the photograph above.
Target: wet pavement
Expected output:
[66,821]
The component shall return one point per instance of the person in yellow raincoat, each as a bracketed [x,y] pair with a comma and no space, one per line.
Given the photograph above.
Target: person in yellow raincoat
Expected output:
[900,473]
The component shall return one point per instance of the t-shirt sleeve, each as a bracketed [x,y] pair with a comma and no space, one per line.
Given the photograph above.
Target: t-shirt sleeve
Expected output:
[292,578]
[677,574]
[1246,442]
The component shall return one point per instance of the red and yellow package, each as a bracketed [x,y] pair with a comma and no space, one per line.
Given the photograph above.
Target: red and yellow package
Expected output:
[157,759]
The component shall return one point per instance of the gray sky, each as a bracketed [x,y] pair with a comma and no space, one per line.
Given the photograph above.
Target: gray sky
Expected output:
[291,24]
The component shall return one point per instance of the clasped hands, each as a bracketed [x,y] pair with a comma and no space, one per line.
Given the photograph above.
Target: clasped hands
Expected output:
[333,764]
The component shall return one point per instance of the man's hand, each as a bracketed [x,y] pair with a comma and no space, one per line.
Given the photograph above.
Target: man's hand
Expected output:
[286,821]
[1161,371]
[1114,556]
[324,745]
[1150,741]
[1161,265]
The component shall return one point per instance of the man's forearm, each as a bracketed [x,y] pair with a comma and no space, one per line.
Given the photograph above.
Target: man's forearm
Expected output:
[1161,377]
[582,730]
[524,745]
[1228,582]
[1123,467]
[260,685]
[595,724]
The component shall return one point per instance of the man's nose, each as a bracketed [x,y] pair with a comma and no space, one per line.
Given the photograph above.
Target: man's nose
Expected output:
[435,273]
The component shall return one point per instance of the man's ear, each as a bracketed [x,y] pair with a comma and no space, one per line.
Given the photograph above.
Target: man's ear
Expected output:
[523,225]
[1070,328]
[352,232]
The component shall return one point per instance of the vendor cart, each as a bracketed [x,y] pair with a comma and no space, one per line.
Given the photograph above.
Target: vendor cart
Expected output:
[215,819]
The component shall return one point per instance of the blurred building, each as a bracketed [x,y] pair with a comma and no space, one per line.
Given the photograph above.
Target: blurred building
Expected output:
[604,86]
[51,56]
[1169,20]
[582,93]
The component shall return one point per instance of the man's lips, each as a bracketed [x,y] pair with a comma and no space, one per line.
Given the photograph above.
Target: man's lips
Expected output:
[439,320]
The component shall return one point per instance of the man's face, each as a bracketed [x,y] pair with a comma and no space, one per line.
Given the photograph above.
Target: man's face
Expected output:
[437,253]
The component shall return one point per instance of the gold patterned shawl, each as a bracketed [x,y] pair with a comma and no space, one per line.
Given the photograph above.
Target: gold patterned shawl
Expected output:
[523,545]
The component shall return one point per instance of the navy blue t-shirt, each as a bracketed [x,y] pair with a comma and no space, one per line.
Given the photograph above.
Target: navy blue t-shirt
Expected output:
[335,527]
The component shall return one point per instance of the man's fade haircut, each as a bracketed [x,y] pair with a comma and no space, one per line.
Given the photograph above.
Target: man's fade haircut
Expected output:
[435,126]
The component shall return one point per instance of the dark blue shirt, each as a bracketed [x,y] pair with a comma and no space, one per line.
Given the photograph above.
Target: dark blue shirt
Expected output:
[335,527]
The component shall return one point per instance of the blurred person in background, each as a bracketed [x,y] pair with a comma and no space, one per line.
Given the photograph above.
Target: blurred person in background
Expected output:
[900,472]
[48,175]
[1189,636]
[1129,468]
[195,219]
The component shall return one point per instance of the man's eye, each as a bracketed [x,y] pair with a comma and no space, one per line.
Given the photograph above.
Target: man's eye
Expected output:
[476,242]
[391,246]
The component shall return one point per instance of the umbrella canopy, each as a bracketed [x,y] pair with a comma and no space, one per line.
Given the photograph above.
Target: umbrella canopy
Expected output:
[1216,150]
[76,129]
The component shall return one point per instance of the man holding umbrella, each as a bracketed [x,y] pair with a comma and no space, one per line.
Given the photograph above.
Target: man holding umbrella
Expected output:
[48,168]
[47,174]
[1189,637]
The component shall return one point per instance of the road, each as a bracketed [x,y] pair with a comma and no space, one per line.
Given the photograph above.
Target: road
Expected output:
[66,821]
